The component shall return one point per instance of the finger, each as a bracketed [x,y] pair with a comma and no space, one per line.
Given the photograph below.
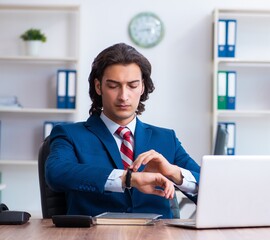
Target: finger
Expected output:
[151,189]
[169,194]
[146,157]
[139,161]
[158,192]
[136,164]
[168,188]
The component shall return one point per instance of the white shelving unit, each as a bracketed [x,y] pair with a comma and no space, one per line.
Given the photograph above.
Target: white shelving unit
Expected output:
[33,81]
[252,64]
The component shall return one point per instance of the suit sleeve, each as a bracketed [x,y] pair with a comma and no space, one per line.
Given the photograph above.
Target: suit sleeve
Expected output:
[65,172]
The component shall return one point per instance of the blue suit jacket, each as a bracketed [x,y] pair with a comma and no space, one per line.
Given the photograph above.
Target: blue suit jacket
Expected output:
[84,154]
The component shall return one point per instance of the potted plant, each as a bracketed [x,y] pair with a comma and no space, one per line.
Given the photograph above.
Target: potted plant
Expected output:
[33,39]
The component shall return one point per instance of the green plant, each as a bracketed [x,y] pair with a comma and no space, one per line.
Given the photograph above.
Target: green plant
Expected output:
[33,34]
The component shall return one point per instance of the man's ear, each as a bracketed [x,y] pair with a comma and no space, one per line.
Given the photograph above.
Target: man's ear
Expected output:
[97,86]
[142,87]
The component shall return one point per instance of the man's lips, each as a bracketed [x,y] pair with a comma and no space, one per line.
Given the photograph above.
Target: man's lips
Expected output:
[122,106]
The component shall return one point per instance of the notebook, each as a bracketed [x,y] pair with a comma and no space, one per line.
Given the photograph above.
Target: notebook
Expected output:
[233,192]
[121,218]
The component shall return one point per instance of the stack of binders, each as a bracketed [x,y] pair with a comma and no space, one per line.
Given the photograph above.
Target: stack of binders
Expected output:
[231,129]
[226,37]
[226,84]
[66,88]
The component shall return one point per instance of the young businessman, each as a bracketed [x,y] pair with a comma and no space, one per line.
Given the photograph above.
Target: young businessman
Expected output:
[86,158]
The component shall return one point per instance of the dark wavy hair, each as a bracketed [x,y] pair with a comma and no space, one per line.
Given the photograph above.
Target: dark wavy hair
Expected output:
[120,53]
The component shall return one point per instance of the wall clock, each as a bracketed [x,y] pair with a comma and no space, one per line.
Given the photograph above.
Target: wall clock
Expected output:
[146,29]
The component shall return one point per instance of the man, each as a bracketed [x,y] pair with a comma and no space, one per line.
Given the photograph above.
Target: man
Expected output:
[91,163]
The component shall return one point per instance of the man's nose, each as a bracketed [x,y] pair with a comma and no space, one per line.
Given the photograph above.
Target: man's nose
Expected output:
[123,93]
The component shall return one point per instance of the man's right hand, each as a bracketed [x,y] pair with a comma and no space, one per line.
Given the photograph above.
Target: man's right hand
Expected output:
[156,162]
[152,183]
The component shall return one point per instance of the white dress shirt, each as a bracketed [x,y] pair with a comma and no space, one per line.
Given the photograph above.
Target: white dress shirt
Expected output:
[114,182]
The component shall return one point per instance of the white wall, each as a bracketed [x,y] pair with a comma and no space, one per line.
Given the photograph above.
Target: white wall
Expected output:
[181,62]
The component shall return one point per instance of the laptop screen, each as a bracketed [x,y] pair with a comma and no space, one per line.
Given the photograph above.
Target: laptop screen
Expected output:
[234,191]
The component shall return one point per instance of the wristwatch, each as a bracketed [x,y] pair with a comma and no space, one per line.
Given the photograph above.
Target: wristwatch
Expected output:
[128,178]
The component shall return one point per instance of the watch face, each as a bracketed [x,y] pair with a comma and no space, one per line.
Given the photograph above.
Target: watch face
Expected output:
[146,30]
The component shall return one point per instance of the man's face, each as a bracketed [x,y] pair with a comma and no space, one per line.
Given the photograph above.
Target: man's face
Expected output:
[121,88]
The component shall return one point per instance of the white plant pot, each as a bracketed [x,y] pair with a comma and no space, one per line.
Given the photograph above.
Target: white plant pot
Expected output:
[32,48]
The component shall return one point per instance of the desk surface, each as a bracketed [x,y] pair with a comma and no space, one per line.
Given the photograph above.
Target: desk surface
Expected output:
[45,230]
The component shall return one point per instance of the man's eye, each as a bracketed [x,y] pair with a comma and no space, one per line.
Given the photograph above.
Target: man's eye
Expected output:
[112,86]
[133,85]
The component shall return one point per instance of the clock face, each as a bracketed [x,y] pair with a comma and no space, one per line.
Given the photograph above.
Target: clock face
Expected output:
[146,30]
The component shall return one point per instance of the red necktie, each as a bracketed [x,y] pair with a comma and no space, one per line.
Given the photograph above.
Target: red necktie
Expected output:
[126,149]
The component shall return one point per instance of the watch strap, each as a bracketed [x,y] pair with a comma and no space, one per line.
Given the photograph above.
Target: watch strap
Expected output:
[128,178]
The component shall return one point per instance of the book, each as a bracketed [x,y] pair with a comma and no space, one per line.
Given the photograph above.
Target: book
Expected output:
[119,218]
[9,102]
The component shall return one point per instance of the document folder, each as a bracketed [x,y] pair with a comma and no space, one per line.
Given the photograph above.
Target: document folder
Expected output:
[71,89]
[222,38]
[231,38]
[61,89]
[231,138]
[231,89]
[222,90]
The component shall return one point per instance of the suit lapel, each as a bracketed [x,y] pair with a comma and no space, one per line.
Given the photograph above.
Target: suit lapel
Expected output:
[142,137]
[97,126]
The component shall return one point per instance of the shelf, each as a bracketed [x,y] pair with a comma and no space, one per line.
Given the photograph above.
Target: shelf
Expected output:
[38,110]
[248,12]
[39,7]
[242,113]
[33,80]
[39,59]
[19,162]
[250,62]
[252,66]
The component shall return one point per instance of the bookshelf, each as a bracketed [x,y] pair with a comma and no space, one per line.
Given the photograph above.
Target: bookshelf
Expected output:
[33,81]
[251,63]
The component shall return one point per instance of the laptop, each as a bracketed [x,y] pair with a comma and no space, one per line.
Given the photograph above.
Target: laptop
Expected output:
[233,192]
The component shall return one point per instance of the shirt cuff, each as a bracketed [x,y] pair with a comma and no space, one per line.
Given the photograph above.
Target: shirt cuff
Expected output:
[114,181]
[189,184]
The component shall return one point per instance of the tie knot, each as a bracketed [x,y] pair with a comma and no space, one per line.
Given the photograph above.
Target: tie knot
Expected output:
[123,132]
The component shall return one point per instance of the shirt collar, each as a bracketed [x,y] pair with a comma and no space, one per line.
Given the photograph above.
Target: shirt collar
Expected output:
[112,126]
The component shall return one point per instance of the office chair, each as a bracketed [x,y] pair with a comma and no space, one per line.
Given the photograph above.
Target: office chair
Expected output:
[52,203]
